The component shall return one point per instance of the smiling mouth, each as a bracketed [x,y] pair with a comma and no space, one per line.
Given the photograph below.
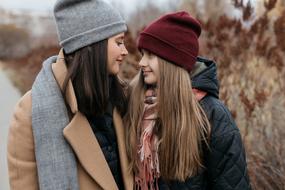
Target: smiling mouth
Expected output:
[146,72]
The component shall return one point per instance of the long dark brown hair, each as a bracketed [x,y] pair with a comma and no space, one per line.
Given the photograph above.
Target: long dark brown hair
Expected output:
[94,87]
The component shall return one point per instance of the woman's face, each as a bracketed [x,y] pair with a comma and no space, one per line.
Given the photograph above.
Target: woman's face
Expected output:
[116,53]
[149,67]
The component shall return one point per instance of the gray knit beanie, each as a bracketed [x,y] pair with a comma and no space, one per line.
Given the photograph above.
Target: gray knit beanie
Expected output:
[84,22]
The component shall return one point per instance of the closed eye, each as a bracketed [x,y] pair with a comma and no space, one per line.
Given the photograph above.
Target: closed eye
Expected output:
[147,53]
[119,42]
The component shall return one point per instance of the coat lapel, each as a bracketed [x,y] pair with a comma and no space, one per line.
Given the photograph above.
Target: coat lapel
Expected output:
[59,70]
[85,145]
[127,176]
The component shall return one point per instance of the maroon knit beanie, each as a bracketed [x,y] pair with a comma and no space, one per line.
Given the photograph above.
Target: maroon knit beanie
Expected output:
[173,37]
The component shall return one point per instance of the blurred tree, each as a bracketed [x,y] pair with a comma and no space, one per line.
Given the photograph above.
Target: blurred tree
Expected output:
[215,13]
[147,12]
[14,41]
[279,29]
[208,9]
[191,6]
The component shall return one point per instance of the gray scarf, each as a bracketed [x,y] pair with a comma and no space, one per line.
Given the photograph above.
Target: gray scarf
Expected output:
[56,163]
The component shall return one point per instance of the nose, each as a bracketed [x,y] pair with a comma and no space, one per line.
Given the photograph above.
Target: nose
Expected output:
[143,62]
[124,51]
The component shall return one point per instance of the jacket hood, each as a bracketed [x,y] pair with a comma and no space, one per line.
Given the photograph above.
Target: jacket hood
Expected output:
[206,79]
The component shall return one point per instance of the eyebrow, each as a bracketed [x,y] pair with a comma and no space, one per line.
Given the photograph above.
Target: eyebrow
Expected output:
[121,37]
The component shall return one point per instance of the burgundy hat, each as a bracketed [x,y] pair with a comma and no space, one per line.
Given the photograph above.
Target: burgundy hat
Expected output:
[173,37]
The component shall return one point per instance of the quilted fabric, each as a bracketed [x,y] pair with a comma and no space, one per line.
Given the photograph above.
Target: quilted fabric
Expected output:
[103,128]
[225,161]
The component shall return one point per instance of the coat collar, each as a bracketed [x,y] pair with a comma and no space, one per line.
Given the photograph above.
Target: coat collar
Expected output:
[83,141]
[59,70]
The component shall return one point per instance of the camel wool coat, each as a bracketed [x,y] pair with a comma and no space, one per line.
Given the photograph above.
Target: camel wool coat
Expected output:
[92,168]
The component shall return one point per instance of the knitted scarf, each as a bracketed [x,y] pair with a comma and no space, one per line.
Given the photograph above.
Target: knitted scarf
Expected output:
[147,158]
[56,162]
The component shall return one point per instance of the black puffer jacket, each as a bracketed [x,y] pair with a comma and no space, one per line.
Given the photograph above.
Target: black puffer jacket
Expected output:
[104,130]
[225,162]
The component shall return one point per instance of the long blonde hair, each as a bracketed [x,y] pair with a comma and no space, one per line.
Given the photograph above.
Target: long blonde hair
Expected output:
[182,126]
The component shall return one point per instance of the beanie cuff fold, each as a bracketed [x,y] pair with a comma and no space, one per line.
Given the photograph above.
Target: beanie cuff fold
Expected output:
[166,51]
[95,35]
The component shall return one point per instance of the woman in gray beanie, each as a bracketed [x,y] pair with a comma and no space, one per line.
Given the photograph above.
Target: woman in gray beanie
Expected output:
[66,132]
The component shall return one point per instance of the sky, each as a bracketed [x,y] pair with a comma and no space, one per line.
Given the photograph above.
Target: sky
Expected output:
[34,5]
[47,5]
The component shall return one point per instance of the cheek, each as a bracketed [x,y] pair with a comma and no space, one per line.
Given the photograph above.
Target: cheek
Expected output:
[113,51]
[113,68]
[116,51]
[154,67]
[155,73]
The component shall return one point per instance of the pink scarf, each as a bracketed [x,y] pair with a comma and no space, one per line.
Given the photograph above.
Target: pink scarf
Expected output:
[199,94]
[147,157]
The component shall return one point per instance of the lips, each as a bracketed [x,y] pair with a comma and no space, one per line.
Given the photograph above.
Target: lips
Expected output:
[146,70]
[119,61]
[145,73]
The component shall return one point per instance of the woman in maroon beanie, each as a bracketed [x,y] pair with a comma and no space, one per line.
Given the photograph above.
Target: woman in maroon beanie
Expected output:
[179,134]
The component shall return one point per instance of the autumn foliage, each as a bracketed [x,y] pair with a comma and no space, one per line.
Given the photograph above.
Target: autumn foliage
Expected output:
[14,41]
[251,62]
[250,54]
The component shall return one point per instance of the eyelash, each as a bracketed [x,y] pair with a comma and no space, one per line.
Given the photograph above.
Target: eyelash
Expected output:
[119,43]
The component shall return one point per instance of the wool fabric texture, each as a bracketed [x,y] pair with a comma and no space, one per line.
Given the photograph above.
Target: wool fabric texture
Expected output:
[173,37]
[147,158]
[56,162]
[84,22]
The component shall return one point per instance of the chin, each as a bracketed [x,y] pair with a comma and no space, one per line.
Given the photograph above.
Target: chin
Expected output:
[114,71]
[149,82]
[150,79]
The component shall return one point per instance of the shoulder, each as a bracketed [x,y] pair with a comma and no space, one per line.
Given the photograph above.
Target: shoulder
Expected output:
[219,116]
[24,107]
[26,100]
[21,121]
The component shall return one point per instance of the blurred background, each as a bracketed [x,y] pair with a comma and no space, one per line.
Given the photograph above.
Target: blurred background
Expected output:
[245,38]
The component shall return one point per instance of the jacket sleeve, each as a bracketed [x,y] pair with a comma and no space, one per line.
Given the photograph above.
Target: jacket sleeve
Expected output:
[226,161]
[20,150]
